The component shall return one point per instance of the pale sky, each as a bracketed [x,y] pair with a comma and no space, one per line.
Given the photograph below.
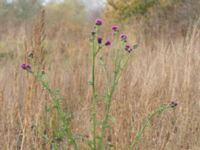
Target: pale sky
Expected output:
[90,4]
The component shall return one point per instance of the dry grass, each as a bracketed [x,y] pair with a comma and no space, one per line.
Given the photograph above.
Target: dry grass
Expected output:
[160,71]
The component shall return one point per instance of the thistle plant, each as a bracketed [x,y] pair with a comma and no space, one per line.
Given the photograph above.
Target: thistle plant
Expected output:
[148,121]
[63,117]
[121,55]
[120,60]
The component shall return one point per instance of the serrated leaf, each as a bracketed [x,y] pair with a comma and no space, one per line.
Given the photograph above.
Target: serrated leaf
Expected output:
[135,46]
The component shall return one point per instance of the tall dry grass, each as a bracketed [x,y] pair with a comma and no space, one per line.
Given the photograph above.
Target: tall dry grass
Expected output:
[161,70]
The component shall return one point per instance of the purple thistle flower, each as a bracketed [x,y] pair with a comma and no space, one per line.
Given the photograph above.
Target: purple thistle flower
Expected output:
[115,28]
[26,66]
[123,37]
[108,43]
[128,48]
[98,22]
[99,40]
[23,66]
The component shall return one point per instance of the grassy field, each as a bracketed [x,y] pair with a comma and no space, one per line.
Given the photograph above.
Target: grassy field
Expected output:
[162,69]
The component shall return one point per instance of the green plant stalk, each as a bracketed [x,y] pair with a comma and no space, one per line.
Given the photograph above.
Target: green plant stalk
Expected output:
[94,94]
[108,100]
[147,122]
[56,104]
[106,115]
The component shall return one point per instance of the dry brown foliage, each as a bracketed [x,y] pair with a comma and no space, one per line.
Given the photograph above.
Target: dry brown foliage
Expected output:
[161,70]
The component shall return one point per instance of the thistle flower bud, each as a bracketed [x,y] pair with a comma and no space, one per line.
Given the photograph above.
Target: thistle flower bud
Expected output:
[26,66]
[99,40]
[128,48]
[98,22]
[115,28]
[108,43]
[123,37]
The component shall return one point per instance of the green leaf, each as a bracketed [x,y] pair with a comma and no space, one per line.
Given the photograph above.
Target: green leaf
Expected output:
[135,46]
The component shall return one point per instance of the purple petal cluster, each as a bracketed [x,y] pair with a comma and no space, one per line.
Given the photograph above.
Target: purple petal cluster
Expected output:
[115,28]
[99,22]
[108,43]
[26,66]
[128,48]
[123,37]
[99,40]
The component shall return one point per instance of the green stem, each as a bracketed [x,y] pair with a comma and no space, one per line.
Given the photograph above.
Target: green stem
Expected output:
[94,95]
[108,101]
[61,114]
[147,121]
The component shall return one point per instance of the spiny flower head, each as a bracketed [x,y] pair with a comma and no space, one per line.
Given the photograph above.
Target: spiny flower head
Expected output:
[123,37]
[108,43]
[26,66]
[115,28]
[98,22]
[173,104]
[99,40]
[128,48]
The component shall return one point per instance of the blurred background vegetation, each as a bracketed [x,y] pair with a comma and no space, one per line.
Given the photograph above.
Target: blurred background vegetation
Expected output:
[177,15]
[72,19]
[23,10]
[165,67]
[151,14]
